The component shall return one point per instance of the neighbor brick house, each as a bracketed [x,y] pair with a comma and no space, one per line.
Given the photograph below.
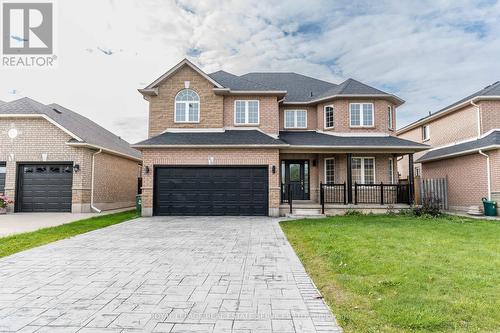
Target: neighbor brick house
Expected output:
[465,141]
[222,144]
[55,160]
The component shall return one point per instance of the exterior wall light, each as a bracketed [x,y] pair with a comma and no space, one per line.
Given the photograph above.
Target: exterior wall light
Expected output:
[76,168]
[273,169]
[146,169]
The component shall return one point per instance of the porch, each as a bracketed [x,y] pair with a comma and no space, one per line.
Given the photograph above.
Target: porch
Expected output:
[332,183]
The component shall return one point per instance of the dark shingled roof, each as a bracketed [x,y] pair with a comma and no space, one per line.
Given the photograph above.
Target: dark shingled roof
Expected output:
[300,88]
[229,137]
[75,123]
[234,82]
[492,139]
[312,138]
[2,102]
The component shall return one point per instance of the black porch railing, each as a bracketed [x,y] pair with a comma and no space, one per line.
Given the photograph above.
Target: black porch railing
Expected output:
[384,194]
[330,193]
[287,195]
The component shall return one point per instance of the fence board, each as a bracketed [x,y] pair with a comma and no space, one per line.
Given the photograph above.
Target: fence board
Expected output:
[435,188]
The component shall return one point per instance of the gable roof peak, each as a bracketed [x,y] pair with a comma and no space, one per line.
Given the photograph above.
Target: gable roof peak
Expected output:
[182,63]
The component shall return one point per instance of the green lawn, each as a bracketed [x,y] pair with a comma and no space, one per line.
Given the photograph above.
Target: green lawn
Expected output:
[404,274]
[16,243]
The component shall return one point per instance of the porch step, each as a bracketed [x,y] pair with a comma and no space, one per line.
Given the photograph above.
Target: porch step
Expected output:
[306,211]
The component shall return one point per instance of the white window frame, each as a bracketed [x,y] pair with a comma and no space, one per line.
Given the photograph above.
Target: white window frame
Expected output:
[246,112]
[361,120]
[391,170]
[390,111]
[324,167]
[324,113]
[294,118]
[186,110]
[363,180]
[428,132]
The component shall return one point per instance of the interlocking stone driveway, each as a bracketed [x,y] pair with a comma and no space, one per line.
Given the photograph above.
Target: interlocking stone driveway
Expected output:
[218,274]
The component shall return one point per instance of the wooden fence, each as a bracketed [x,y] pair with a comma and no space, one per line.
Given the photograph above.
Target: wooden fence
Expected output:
[432,188]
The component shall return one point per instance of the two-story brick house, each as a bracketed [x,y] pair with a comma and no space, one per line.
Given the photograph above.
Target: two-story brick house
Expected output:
[465,147]
[221,144]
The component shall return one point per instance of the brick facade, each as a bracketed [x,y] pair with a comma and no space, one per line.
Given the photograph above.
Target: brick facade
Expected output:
[162,108]
[462,191]
[115,182]
[342,119]
[268,109]
[153,157]
[38,136]
[457,126]
[490,115]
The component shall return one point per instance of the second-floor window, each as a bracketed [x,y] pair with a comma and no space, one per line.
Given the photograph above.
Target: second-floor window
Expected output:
[295,119]
[246,112]
[329,119]
[426,134]
[390,115]
[361,114]
[187,107]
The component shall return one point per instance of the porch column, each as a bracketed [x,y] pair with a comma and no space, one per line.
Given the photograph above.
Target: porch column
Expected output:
[411,185]
[349,178]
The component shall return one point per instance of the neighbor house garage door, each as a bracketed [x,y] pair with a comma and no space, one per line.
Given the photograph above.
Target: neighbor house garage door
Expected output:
[44,188]
[211,191]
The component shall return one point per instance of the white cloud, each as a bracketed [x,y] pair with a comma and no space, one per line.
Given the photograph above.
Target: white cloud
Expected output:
[430,53]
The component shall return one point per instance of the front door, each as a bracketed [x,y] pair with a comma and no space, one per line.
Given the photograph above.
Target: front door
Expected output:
[296,174]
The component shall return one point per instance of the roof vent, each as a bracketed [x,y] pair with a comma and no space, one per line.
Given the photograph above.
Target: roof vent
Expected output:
[56,110]
[311,94]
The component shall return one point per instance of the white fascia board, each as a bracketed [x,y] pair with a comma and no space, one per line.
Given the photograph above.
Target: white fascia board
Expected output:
[50,120]
[346,96]
[444,112]
[208,146]
[106,150]
[457,154]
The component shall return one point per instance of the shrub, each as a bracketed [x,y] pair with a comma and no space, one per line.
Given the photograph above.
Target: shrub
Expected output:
[353,212]
[4,201]
[431,206]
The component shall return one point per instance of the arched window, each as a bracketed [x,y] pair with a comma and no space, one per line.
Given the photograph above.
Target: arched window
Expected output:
[187,107]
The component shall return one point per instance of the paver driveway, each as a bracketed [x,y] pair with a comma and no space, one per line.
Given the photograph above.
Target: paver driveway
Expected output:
[221,274]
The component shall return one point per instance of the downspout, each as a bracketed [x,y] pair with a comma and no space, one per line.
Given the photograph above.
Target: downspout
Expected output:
[478,117]
[487,171]
[92,185]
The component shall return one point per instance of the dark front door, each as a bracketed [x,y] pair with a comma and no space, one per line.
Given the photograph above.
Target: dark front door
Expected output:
[44,187]
[296,175]
[190,190]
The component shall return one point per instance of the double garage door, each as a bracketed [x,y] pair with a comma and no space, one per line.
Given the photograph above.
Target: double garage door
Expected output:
[211,191]
[44,188]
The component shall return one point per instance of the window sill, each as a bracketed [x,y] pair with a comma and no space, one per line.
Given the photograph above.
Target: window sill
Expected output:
[247,125]
[328,128]
[426,140]
[186,122]
[295,128]
[361,126]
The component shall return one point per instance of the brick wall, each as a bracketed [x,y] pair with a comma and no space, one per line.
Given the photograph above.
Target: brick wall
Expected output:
[268,109]
[312,122]
[36,137]
[490,115]
[115,181]
[200,156]
[467,181]
[342,120]
[161,107]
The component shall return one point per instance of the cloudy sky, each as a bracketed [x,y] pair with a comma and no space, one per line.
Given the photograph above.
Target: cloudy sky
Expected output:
[430,53]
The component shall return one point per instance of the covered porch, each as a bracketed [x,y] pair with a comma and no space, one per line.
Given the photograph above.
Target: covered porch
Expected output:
[329,181]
